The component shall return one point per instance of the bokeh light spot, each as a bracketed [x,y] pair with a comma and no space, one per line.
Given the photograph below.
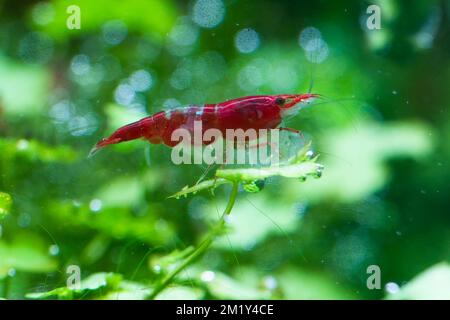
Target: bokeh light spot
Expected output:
[181,78]
[247,40]
[316,49]
[124,94]
[308,34]
[114,32]
[80,64]
[36,47]
[141,80]
[43,13]
[208,13]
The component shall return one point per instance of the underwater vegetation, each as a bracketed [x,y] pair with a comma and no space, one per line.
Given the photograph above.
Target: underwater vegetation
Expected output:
[358,208]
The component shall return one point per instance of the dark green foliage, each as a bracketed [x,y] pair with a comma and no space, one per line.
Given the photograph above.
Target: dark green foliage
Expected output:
[381,130]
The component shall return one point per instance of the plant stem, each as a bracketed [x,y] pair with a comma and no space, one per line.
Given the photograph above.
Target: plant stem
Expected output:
[201,248]
[6,281]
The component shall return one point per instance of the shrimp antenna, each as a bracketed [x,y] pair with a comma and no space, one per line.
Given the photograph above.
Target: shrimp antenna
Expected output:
[312,64]
[311,82]
[346,109]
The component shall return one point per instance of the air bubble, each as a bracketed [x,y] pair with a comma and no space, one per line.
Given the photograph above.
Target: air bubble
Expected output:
[95,205]
[319,171]
[53,250]
[392,287]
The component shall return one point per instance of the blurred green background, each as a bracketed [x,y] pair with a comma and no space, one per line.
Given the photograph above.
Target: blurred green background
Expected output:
[382,136]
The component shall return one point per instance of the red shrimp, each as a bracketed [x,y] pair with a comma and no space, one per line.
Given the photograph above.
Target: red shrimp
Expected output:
[251,112]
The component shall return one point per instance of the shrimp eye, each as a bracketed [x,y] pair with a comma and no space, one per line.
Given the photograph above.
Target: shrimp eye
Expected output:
[280,101]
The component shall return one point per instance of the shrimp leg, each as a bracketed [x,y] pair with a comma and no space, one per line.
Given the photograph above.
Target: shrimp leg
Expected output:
[205,173]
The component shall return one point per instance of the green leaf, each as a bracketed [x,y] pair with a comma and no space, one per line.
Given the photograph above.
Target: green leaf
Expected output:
[204,185]
[5,204]
[357,165]
[297,170]
[27,254]
[432,284]
[121,192]
[267,217]
[301,284]
[159,16]
[119,116]
[127,290]
[164,264]
[95,286]
[253,186]
[224,287]
[180,293]
[118,222]
[23,88]
[32,150]
[300,166]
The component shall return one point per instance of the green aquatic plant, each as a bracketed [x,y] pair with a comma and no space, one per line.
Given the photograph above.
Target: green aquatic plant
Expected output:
[102,285]
[5,204]
[300,166]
